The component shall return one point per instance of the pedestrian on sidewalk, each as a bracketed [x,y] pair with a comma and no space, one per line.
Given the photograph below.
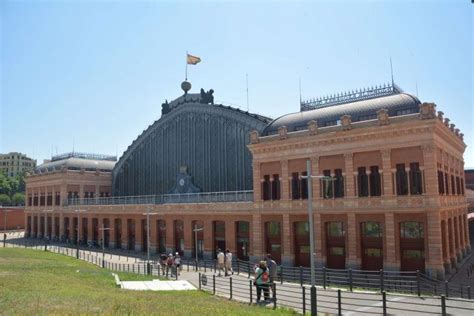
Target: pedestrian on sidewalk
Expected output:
[177,263]
[228,262]
[220,261]
[262,279]
[272,269]
[169,264]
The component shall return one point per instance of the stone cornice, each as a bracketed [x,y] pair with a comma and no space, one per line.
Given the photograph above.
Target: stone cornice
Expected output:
[342,141]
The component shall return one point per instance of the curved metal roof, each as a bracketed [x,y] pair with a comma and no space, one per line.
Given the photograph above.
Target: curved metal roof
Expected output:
[76,164]
[403,103]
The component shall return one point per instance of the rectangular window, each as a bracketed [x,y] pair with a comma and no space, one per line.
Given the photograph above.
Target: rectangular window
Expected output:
[411,230]
[304,186]
[276,187]
[362,182]
[295,186]
[402,180]
[373,252]
[413,254]
[415,179]
[446,182]
[335,229]
[338,184]
[266,188]
[336,251]
[453,186]
[301,228]
[440,182]
[458,185]
[375,183]
[372,229]
[327,185]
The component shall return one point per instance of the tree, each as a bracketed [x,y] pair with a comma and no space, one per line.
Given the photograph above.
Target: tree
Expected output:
[18,199]
[5,200]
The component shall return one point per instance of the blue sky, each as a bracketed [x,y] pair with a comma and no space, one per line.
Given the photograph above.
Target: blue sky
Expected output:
[94,73]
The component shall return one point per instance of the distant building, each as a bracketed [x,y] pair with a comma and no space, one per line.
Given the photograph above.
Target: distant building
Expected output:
[14,163]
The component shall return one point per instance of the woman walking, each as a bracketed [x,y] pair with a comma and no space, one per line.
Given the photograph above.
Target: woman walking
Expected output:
[262,277]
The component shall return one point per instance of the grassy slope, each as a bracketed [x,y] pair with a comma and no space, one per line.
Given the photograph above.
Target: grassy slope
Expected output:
[34,283]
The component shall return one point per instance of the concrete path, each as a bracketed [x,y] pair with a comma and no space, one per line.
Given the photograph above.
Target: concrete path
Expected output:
[157,285]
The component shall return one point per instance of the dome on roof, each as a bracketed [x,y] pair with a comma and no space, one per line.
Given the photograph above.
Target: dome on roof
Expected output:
[396,104]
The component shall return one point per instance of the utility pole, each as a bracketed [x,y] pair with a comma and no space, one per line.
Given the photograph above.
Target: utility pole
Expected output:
[310,177]
[196,230]
[103,229]
[148,214]
[77,236]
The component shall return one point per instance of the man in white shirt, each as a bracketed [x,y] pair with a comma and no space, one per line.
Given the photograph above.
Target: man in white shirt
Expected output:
[228,262]
[220,261]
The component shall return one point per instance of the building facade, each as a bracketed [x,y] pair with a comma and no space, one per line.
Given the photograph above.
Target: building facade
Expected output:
[390,192]
[14,163]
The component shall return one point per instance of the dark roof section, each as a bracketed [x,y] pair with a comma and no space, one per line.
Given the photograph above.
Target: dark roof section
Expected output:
[396,104]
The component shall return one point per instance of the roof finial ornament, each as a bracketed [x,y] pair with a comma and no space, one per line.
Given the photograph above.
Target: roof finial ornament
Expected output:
[186,86]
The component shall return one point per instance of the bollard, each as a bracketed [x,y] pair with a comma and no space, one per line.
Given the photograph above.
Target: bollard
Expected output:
[304,299]
[5,240]
[314,309]
[214,284]
[250,291]
[248,266]
[460,287]
[384,303]
[339,306]
[324,277]
[230,288]
[215,264]
[381,281]
[446,289]
[418,287]
[199,280]
[443,305]
[469,292]
[350,280]
[238,267]
[274,295]
[301,276]
[281,274]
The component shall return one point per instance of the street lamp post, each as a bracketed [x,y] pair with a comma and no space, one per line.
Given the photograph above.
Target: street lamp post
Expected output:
[46,223]
[148,237]
[77,237]
[103,229]
[311,231]
[196,230]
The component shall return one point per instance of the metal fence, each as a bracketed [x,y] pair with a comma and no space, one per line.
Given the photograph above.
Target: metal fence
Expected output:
[288,293]
[332,301]
[204,197]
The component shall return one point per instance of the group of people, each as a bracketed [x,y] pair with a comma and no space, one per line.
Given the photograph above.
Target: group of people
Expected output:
[265,273]
[171,264]
[224,262]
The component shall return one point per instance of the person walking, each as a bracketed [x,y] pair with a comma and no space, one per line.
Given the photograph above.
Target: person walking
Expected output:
[220,261]
[262,278]
[228,262]
[177,263]
[272,267]
[169,264]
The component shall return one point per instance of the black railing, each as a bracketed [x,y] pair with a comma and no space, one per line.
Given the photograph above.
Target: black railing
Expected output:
[202,197]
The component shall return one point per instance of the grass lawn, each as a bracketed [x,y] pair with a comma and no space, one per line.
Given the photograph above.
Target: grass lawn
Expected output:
[34,282]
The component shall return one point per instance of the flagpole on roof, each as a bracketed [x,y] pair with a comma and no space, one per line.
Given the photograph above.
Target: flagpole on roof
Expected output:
[186,76]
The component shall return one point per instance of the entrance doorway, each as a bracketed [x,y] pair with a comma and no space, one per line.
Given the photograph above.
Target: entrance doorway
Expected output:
[242,237]
[371,245]
[273,240]
[412,246]
[335,245]
[302,248]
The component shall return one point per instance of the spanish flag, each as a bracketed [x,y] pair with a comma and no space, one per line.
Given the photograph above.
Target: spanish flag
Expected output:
[192,60]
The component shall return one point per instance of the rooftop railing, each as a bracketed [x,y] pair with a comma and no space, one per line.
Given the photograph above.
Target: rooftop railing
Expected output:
[202,197]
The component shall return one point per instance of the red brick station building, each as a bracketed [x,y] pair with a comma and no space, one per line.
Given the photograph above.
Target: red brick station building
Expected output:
[393,196]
